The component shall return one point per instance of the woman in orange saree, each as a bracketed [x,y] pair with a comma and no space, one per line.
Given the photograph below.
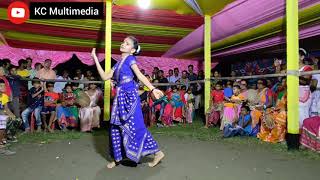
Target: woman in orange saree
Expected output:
[274,124]
[265,101]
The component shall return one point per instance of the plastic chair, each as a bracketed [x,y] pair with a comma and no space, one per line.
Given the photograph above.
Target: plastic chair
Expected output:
[33,121]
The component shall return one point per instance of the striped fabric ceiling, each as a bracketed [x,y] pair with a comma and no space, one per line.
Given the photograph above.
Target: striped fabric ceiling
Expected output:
[157,30]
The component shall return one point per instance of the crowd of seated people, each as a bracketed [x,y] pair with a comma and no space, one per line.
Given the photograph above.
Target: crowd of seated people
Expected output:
[252,107]
[258,107]
[181,101]
[52,106]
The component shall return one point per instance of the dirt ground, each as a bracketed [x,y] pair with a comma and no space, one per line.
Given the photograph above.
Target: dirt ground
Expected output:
[85,159]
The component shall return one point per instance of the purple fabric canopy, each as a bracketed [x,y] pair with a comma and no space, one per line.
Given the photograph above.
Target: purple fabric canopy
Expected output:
[233,19]
[303,33]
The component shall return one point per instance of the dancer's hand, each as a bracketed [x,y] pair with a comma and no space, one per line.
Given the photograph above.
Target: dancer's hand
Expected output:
[93,54]
[157,93]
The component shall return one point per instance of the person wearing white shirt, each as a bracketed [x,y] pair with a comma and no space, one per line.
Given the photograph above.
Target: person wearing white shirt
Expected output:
[171,77]
[176,76]
[59,86]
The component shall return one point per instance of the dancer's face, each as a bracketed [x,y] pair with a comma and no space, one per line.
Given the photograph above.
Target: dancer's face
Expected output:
[127,46]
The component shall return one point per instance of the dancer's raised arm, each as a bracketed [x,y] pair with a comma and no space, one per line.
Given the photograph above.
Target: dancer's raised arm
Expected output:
[157,93]
[104,76]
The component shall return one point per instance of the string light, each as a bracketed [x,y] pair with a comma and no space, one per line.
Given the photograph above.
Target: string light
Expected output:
[144,4]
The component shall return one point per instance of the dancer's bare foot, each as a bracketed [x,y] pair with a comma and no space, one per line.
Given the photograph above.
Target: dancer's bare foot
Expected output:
[157,158]
[111,165]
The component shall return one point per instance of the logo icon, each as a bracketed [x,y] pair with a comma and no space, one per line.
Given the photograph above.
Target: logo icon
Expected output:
[18,12]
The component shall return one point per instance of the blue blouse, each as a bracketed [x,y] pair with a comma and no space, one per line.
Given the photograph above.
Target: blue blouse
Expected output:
[122,70]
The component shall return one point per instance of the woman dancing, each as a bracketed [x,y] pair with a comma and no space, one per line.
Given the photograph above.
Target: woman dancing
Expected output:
[128,134]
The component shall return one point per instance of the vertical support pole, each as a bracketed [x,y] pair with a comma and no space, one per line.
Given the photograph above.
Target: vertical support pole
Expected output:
[292,10]
[207,61]
[107,68]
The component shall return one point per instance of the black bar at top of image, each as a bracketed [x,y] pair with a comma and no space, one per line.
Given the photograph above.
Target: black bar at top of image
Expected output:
[66,10]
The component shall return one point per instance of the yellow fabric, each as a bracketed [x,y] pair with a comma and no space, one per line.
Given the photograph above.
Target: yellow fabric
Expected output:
[176,5]
[180,6]
[23,73]
[209,7]
[4,99]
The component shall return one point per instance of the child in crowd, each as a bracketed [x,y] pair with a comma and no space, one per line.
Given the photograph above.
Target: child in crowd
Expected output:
[216,106]
[15,85]
[189,106]
[178,104]
[228,91]
[232,107]
[75,89]
[36,99]
[50,103]
[6,116]
[242,126]
[67,112]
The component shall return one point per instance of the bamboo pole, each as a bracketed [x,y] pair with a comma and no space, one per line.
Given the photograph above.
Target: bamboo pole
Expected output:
[207,60]
[292,78]
[107,67]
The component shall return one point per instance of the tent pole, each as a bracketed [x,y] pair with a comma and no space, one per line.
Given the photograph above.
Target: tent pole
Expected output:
[207,61]
[107,87]
[292,78]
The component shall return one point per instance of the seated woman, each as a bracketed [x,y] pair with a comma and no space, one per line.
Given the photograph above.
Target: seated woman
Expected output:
[274,123]
[264,102]
[67,112]
[241,127]
[310,136]
[90,116]
[304,87]
[216,106]
[231,109]
[167,117]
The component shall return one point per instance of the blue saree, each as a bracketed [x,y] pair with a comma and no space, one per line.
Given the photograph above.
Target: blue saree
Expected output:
[128,135]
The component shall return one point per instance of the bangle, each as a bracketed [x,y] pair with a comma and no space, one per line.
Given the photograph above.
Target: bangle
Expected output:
[152,90]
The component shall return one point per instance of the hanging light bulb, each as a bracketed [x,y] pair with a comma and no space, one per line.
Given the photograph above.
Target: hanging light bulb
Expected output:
[144,4]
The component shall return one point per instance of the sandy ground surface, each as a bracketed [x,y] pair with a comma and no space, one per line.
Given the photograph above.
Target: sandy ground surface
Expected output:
[86,159]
